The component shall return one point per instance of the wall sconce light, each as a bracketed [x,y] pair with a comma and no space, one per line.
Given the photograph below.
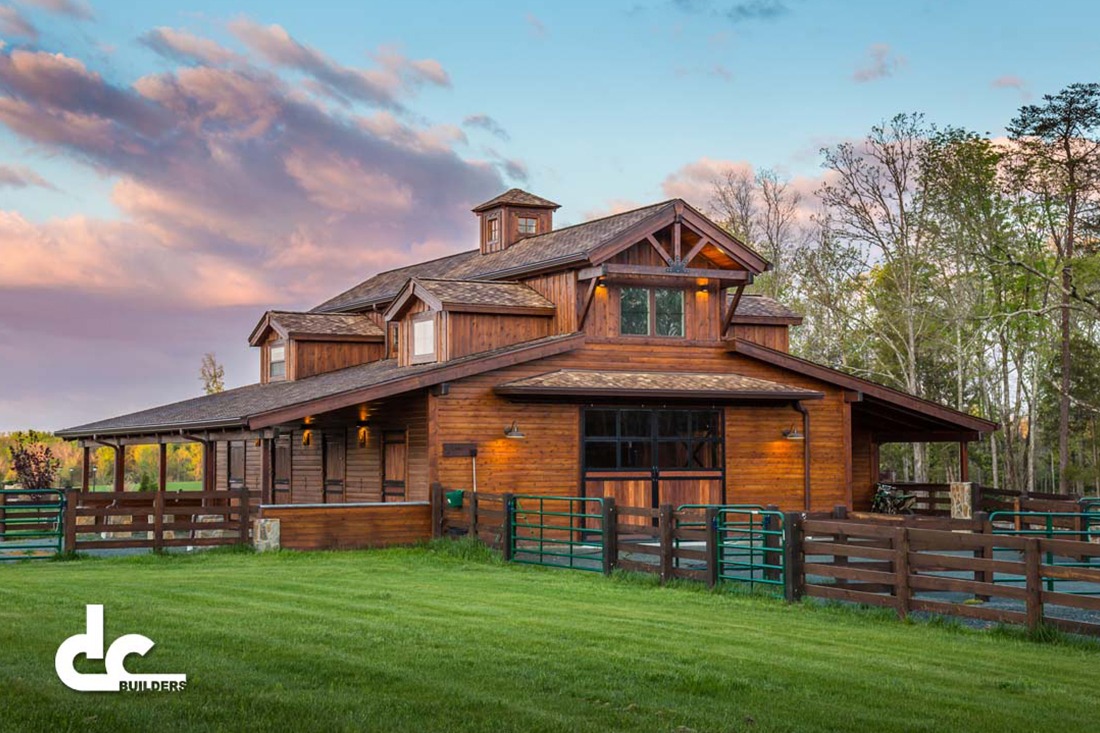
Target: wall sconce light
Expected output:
[793,433]
[702,283]
[600,283]
[513,432]
[307,437]
[362,436]
[259,442]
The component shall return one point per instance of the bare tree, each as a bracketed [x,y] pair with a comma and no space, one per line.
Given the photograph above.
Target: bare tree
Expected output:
[212,374]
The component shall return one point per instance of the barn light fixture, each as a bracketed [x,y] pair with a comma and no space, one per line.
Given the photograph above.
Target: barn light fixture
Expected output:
[307,437]
[513,432]
[793,433]
[362,436]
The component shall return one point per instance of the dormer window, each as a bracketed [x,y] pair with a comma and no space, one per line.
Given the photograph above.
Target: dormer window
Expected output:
[493,230]
[276,368]
[528,225]
[423,338]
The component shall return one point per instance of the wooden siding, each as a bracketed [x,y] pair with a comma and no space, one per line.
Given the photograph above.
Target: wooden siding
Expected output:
[560,289]
[470,333]
[761,465]
[863,470]
[350,526]
[773,337]
[317,357]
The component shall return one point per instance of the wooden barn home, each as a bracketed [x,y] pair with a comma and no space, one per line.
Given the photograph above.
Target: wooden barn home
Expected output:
[620,357]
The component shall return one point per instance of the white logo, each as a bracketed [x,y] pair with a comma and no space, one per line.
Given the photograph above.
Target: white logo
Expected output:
[116,679]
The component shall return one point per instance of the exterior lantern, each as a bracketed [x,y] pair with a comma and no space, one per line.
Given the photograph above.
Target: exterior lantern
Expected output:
[793,433]
[513,432]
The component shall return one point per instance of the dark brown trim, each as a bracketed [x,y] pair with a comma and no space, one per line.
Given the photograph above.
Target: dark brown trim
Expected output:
[589,296]
[886,394]
[766,320]
[296,336]
[584,393]
[444,372]
[613,271]
[660,250]
[506,310]
[806,463]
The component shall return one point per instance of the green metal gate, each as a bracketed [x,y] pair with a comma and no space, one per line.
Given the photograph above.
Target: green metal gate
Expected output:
[32,523]
[751,545]
[1053,525]
[559,531]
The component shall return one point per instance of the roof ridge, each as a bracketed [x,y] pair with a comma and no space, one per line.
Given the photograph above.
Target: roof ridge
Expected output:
[602,218]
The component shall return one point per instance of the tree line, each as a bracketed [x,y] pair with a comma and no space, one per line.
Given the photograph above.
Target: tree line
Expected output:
[957,267]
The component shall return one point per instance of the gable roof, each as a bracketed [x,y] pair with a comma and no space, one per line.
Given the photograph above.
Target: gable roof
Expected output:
[517,197]
[880,392]
[317,327]
[557,247]
[473,296]
[261,405]
[652,385]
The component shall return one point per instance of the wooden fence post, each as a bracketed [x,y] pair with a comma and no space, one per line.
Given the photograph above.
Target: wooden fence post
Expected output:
[610,522]
[712,571]
[772,542]
[1034,584]
[901,570]
[158,521]
[975,499]
[3,515]
[794,582]
[985,528]
[70,520]
[244,516]
[471,512]
[664,525]
[436,495]
[508,530]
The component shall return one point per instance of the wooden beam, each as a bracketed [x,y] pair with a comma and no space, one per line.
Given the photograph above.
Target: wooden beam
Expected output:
[732,276]
[677,232]
[86,469]
[660,250]
[163,478]
[703,242]
[120,466]
[267,470]
[589,296]
[732,309]
[964,464]
[591,273]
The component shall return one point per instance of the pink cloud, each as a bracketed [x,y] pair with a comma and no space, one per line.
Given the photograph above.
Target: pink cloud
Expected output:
[1011,81]
[17,176]
[186,47]
[611,207]
[13,23]
[237,191]
[73,8]
[881,62]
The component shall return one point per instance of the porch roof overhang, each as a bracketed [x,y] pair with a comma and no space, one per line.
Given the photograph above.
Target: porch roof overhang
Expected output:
[259,406]
[584,384]
[892,415]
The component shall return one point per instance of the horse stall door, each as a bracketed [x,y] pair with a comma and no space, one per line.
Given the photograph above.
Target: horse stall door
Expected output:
[394,465]
[335,467]
[280,480]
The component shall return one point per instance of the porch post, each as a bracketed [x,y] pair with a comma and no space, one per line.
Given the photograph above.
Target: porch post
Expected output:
[86,469]
[267,470]
[120,466]
[162,484]
[208,465]
[964,461]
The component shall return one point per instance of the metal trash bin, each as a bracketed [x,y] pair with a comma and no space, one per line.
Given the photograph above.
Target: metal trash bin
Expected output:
[454,499]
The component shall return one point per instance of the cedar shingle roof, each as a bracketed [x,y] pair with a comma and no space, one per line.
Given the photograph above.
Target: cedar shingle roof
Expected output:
[560,245]
[518,197]
[664,384]
[505,293]
[318,325]
[233,407]
[761,306]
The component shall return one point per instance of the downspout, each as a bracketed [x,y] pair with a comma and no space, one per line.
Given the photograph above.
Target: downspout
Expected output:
[799,407]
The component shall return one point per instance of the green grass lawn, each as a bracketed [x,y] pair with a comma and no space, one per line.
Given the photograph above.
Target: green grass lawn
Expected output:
[432,639]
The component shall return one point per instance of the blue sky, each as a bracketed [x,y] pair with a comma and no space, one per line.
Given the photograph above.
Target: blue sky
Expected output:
[594,105]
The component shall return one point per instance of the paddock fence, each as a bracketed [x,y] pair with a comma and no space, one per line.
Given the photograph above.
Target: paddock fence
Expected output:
[1007,567]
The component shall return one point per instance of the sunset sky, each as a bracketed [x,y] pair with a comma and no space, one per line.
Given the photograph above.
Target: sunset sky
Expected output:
[170,170]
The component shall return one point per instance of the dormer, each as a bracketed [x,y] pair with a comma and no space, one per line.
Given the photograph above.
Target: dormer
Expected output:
[763,321]
[297,345]
[439,320]
[512,216]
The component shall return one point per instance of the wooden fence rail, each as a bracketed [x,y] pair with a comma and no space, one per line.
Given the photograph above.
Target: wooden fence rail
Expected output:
[912,564]
[156,519]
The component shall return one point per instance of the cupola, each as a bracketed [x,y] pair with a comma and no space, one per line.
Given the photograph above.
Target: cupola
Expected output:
[512,216]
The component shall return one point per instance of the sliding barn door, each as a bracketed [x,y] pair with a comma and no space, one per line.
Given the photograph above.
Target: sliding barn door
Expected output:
[280,480]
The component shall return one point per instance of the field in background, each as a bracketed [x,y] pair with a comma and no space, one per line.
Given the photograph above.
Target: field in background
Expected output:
[432,639]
